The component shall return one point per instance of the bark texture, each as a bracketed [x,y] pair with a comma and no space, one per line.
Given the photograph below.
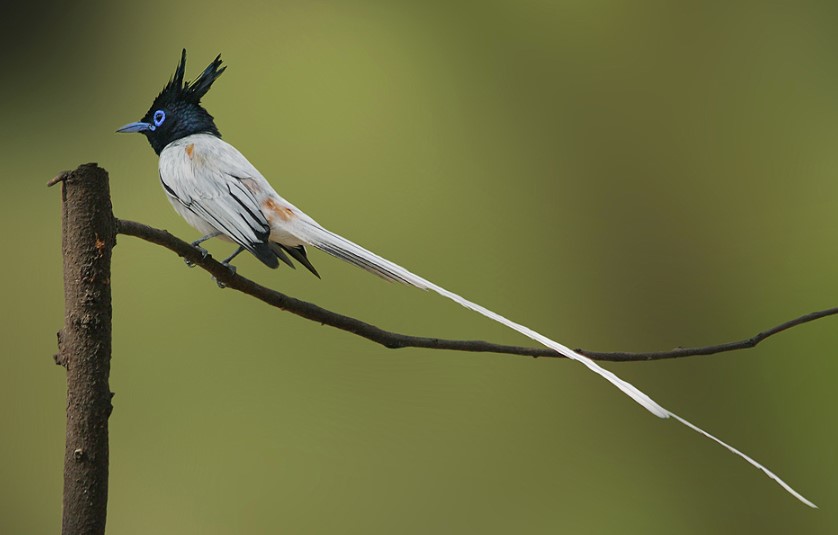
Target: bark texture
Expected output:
[89,234]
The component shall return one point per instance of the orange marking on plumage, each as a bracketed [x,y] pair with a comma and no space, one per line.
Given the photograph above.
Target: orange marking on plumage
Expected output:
[273,209]
[190,149]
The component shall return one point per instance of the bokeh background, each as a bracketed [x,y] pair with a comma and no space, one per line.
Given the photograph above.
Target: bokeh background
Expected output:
[618,175]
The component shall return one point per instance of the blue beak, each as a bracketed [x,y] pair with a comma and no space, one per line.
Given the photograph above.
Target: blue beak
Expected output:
[135,127]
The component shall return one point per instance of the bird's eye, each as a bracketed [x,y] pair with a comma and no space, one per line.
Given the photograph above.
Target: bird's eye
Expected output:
[159,117]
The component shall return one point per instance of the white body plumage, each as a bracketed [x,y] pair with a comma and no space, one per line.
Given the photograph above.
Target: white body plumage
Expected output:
[205,171]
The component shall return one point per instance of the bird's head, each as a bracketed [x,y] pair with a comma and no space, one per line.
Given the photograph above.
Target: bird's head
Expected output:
[177,111]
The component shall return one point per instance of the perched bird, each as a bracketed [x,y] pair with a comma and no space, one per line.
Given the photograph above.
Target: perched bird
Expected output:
[219,192]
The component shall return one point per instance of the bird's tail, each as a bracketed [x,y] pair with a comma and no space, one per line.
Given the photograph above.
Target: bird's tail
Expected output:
[338,246]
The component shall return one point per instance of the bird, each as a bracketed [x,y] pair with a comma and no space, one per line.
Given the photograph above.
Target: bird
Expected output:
[221,194]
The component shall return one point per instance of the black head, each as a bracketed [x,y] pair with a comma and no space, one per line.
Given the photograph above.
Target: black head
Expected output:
[177,110]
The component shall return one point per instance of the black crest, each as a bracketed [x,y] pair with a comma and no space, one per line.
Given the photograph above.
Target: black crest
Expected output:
[177,90]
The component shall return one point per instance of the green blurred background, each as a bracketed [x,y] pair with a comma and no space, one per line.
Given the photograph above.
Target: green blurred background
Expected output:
[618,175]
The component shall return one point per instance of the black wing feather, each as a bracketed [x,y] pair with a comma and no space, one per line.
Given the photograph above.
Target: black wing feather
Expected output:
[299,254]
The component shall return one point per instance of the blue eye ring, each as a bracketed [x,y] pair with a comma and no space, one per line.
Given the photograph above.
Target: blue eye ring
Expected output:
[159,117]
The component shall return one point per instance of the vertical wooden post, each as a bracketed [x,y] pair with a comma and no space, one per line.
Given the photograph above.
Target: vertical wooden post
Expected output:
[89,234]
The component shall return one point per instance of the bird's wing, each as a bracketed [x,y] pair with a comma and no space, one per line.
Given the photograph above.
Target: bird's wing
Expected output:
[211,181]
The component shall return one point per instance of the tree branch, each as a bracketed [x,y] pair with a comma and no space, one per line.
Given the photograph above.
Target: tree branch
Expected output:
[84,345]
[394,340]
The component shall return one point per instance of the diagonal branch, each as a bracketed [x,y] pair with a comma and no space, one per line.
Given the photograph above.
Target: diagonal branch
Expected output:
[394,340]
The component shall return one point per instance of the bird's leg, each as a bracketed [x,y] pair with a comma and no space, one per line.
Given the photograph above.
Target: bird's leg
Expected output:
[226,262]
[197,244]
[230,258]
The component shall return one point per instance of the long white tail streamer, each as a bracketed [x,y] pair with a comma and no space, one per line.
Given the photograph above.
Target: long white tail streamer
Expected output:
[311,232]
[768,472]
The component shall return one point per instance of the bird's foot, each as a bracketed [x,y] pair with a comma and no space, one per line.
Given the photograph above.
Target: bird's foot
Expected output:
[232,269]
[204,254]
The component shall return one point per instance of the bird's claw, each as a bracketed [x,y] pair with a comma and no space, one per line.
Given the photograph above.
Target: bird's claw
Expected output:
[232,270]
[204,254]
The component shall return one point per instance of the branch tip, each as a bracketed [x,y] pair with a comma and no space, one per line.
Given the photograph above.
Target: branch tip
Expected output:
[60,177]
